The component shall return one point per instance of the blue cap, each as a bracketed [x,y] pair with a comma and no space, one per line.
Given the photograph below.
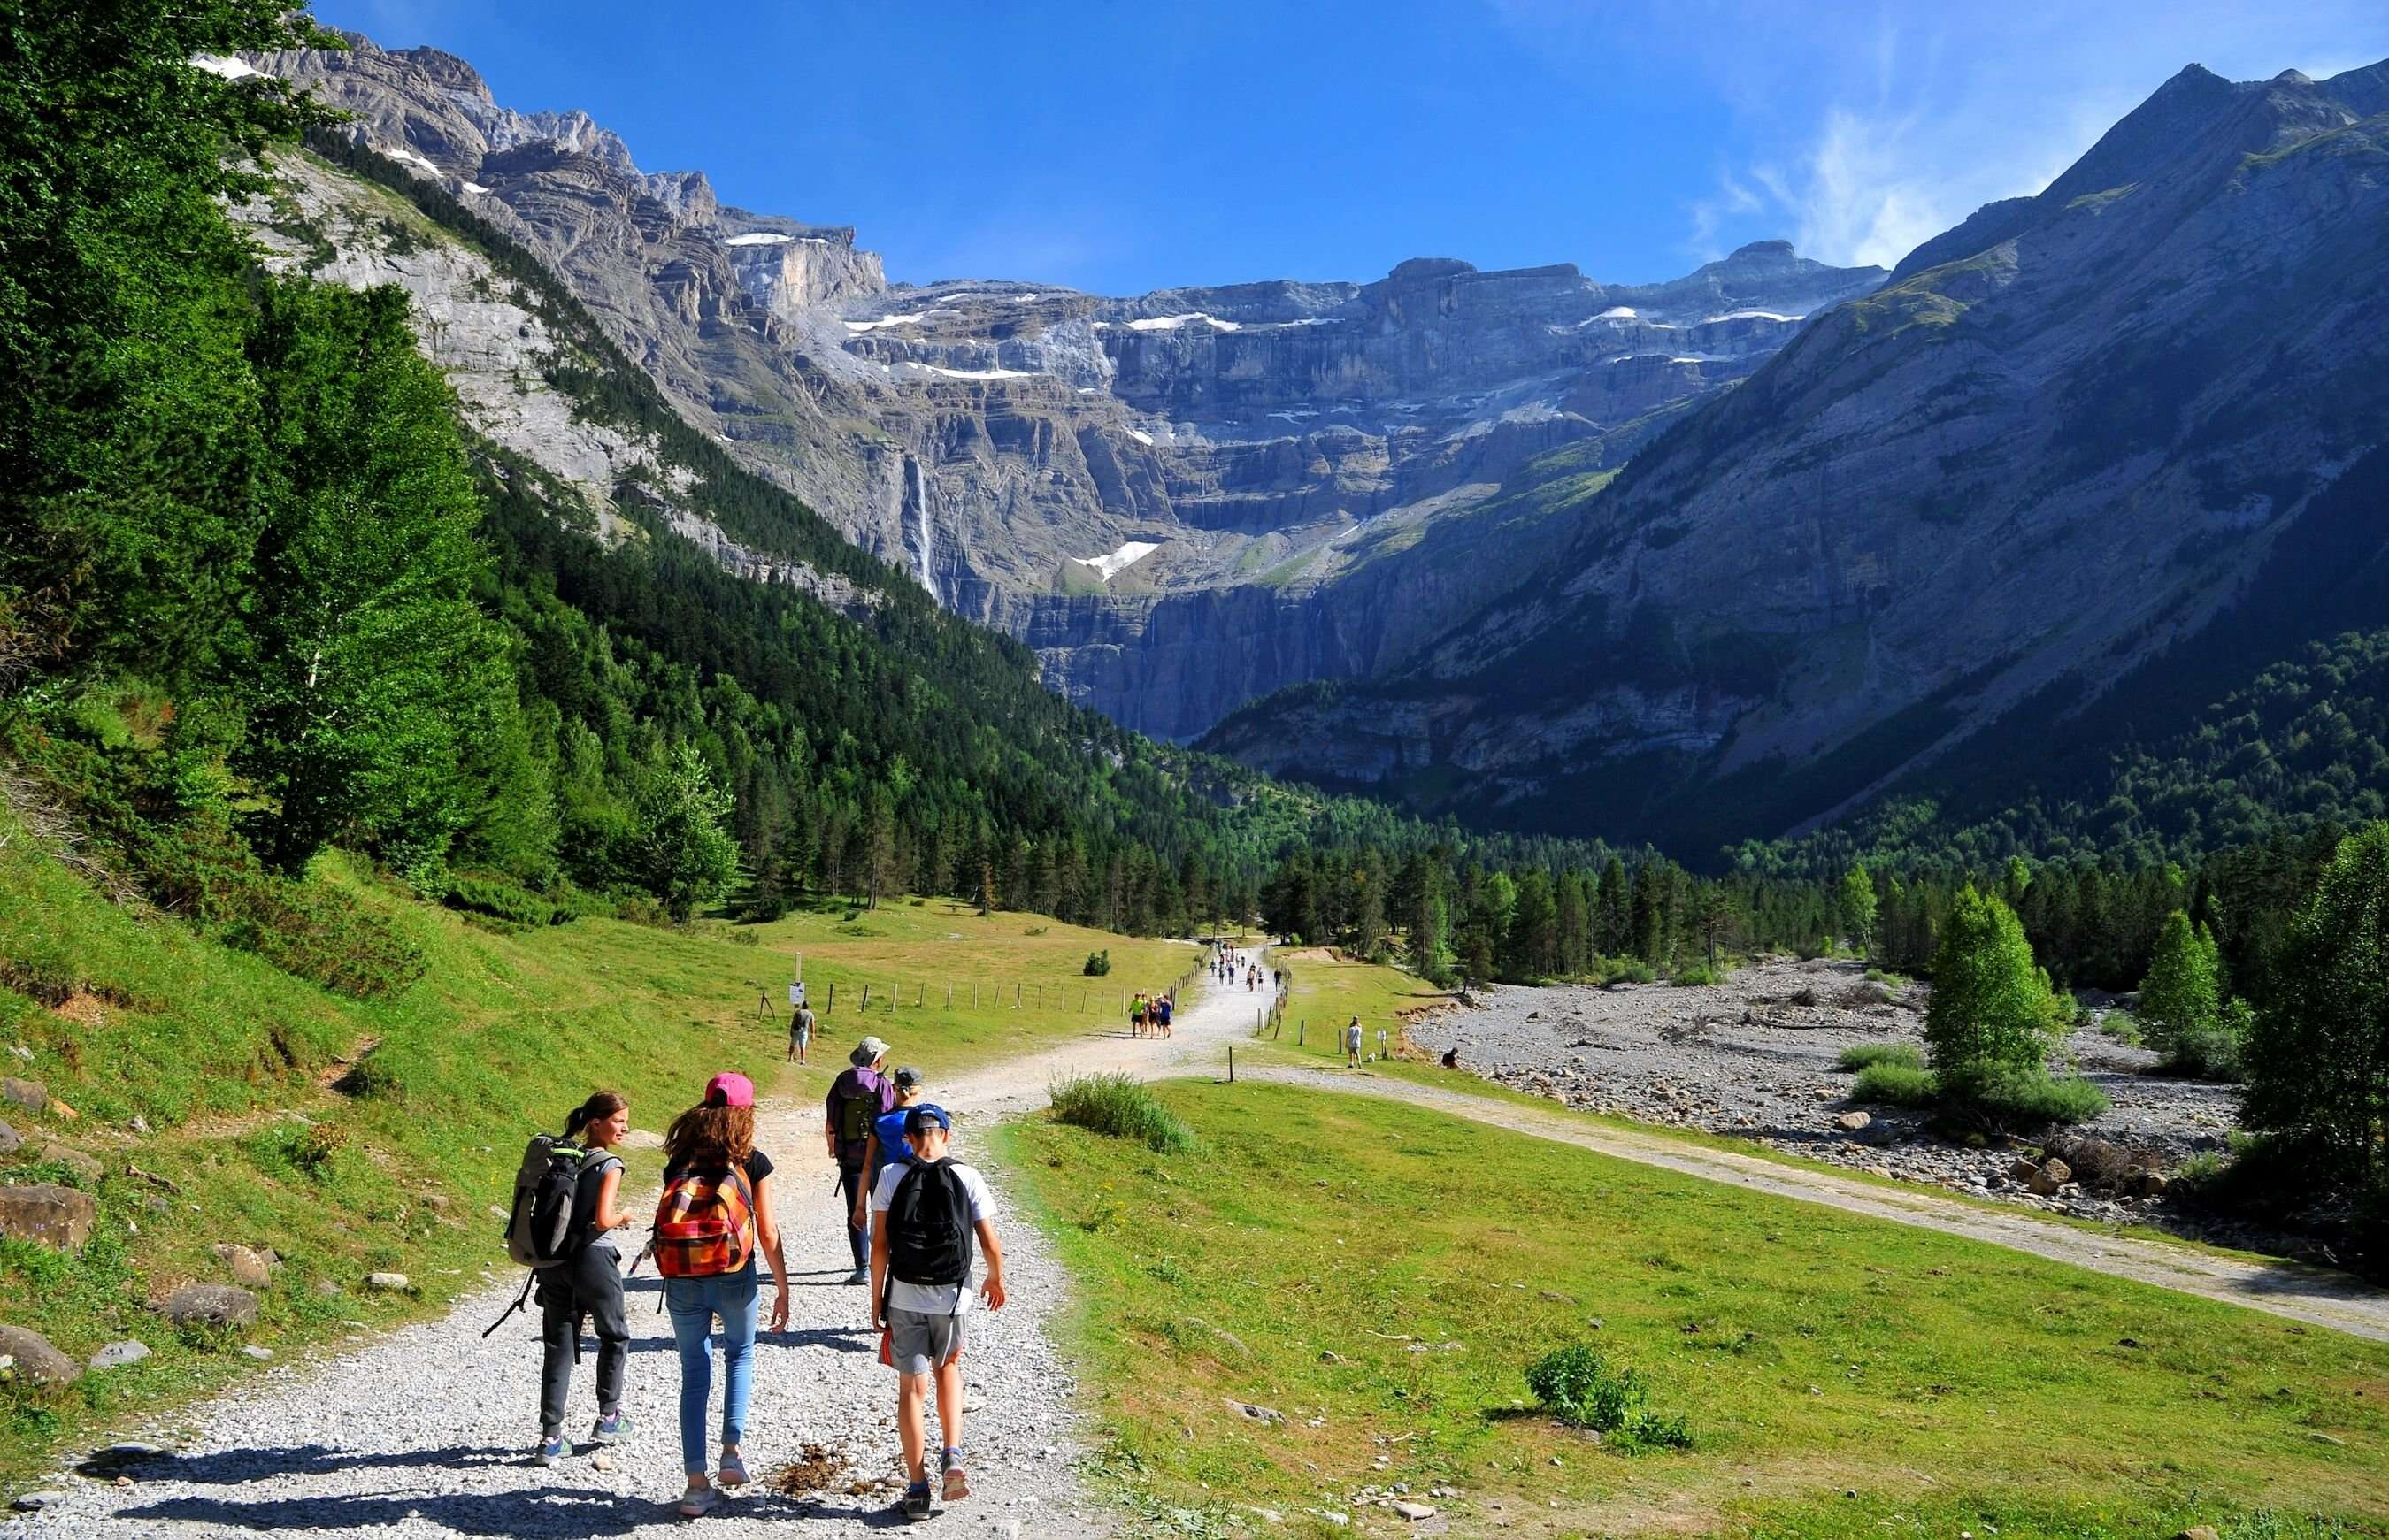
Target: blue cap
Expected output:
[917,1120]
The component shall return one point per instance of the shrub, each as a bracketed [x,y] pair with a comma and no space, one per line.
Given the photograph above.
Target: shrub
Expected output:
[1859,1055]
[1098,963]
[2009,1098]
[2180,1007]
[1695,975]
[1900,1083]
[504,900]
[2210,1051]
[1122,1107]
[1626,970]
[1992,1009]
[1584,1392]
[321,935]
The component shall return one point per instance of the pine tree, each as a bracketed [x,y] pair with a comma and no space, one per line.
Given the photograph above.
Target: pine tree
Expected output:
[1613,921]
[683,852]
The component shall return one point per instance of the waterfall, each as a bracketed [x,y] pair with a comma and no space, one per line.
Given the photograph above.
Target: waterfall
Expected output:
[928,527]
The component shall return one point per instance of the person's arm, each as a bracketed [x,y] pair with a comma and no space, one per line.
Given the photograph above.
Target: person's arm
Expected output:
[862,1191]
[829,1118]
[608,1217]
[990,1289]
[878,1272]
[766,1235]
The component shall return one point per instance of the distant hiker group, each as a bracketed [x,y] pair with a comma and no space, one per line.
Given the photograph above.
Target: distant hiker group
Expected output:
[1150,1015]
[915,1220]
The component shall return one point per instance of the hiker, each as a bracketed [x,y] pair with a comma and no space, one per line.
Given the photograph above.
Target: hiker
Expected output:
[1451,1057]
[801,1027]
[928,1215]
[1167,1008]
[588,1282]
[715,1215]
[858,1098]
[1352,1044]
[888,1144]
[1136,1016]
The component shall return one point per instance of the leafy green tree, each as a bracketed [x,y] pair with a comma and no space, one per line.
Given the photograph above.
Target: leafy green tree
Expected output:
[1992,1011]
[1429,937]
[377,682]
[2180,1009]
[681,850]
[1856,897]
[2318,1056]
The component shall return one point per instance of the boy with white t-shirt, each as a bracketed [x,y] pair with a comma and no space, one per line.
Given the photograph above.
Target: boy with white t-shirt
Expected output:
[927,1213]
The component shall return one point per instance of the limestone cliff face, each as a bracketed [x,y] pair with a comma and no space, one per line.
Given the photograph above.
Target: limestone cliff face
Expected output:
[1182,498]
[2065,436]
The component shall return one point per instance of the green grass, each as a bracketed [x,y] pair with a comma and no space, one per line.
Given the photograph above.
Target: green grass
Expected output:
[355,1136]
[1388,1274]
[1120,1106]
[1898,1082]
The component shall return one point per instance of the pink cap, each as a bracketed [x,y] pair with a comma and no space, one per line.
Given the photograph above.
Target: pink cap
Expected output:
[730,1090]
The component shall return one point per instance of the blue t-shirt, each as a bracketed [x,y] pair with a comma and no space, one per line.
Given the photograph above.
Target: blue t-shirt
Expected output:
[889,1128]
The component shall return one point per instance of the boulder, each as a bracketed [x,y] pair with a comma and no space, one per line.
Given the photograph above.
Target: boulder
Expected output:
[218,1304]
[2043,1182]
[1806,996]
[248,1269]
[47,1215]
[119,1354]
[2022,1171]
[2199,1532]
[1414,1512]
[1852,1122]
[1269,1414]
[31,1095]
[34,1502]
[2152,1184]
[2057,1171]
[86,1169]
[1868,991]
[389,1283]
[9,1139]
[31,1358]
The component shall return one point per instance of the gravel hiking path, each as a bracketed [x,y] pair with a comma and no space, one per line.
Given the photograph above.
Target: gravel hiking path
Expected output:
[427,1432]
[2304,1293]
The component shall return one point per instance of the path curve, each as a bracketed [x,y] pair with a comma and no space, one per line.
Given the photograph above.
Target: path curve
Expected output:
[425,1431]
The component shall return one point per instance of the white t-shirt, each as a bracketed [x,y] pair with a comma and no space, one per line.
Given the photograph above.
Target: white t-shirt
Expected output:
[933,1299]
[796,994]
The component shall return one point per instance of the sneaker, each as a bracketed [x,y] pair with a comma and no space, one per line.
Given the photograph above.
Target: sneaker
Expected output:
[698,1501]
[859,1274]
[552,1449]
[957,1481]
[916,1500]
[606,1429]
[734,1470]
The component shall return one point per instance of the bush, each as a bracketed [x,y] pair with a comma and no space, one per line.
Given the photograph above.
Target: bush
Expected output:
[2019,1098]
[1098,963]
[2211,1049]
[1122,1107]
[1694,976]
[1625,970]
[1584,1392]
[1859,1055]
[1898,1082]
[321,935]
[504,900]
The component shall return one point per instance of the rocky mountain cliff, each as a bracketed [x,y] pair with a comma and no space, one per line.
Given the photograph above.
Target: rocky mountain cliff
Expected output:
[2031,470]
[1182,500]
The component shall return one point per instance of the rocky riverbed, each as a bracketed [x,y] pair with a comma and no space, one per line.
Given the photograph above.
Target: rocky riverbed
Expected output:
[1755,1056]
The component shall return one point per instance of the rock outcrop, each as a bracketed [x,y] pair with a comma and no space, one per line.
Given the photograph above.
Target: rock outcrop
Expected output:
[1182,500]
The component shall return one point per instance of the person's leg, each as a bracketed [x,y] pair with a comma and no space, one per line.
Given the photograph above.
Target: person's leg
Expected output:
[555,1331]
[950,1402]
[738,1295]
[597,1278]
[911,1428]
[850,1189]
[692,1313]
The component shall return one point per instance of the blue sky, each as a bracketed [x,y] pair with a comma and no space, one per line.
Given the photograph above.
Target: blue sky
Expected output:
[1125,145]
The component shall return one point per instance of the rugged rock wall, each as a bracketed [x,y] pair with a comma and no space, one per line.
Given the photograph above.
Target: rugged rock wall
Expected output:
[1182,498]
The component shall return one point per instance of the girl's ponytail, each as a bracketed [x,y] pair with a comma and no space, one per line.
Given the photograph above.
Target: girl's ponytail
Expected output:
[600,1104]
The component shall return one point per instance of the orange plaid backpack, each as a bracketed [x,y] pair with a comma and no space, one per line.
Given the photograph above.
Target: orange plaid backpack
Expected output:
[705,1224]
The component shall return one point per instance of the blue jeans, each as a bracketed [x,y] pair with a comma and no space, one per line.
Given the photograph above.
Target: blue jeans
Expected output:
[694,1303]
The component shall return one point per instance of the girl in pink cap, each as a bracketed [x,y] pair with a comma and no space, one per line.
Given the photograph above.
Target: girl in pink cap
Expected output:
[710,1152]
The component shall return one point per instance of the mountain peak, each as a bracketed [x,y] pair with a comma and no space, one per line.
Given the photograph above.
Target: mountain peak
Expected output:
[1420,268]
[1762,250]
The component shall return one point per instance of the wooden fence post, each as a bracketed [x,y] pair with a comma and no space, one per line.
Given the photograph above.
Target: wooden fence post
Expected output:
[1015,994]
[949,994]
[832,998]
[866,997]
[1232,1063]
[1301,1026]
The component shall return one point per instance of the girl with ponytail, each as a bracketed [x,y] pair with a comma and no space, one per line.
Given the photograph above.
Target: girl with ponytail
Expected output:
[589,1284]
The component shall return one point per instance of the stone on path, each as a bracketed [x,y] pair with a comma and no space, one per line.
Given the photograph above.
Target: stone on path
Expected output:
[1853,1122]
[9,1139]
[34,1359]
[120,1354]
[34,1502]
[1270,1415]
[1415,1510]
[47,1215]
[210,1304]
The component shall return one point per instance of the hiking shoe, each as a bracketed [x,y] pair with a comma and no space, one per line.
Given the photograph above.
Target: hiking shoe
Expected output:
[606,1429]
[698,1501]
[957,1482]
[916,1500]
[734,1470]
[552,1449]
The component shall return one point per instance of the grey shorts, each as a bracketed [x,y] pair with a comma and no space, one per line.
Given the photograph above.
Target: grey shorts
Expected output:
[920,1343]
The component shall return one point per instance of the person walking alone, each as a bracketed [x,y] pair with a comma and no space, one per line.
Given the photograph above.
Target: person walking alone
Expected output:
[858,1098]
[1352,1044]
[715,1215]
[925,1216]
[800,1030]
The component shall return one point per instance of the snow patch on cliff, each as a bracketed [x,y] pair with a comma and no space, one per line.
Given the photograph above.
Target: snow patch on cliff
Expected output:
[1121,560]
[1751,316]
[1171,323]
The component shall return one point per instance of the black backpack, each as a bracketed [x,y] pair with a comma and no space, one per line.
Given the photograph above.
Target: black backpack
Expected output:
[542,1228]
[929,1227]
